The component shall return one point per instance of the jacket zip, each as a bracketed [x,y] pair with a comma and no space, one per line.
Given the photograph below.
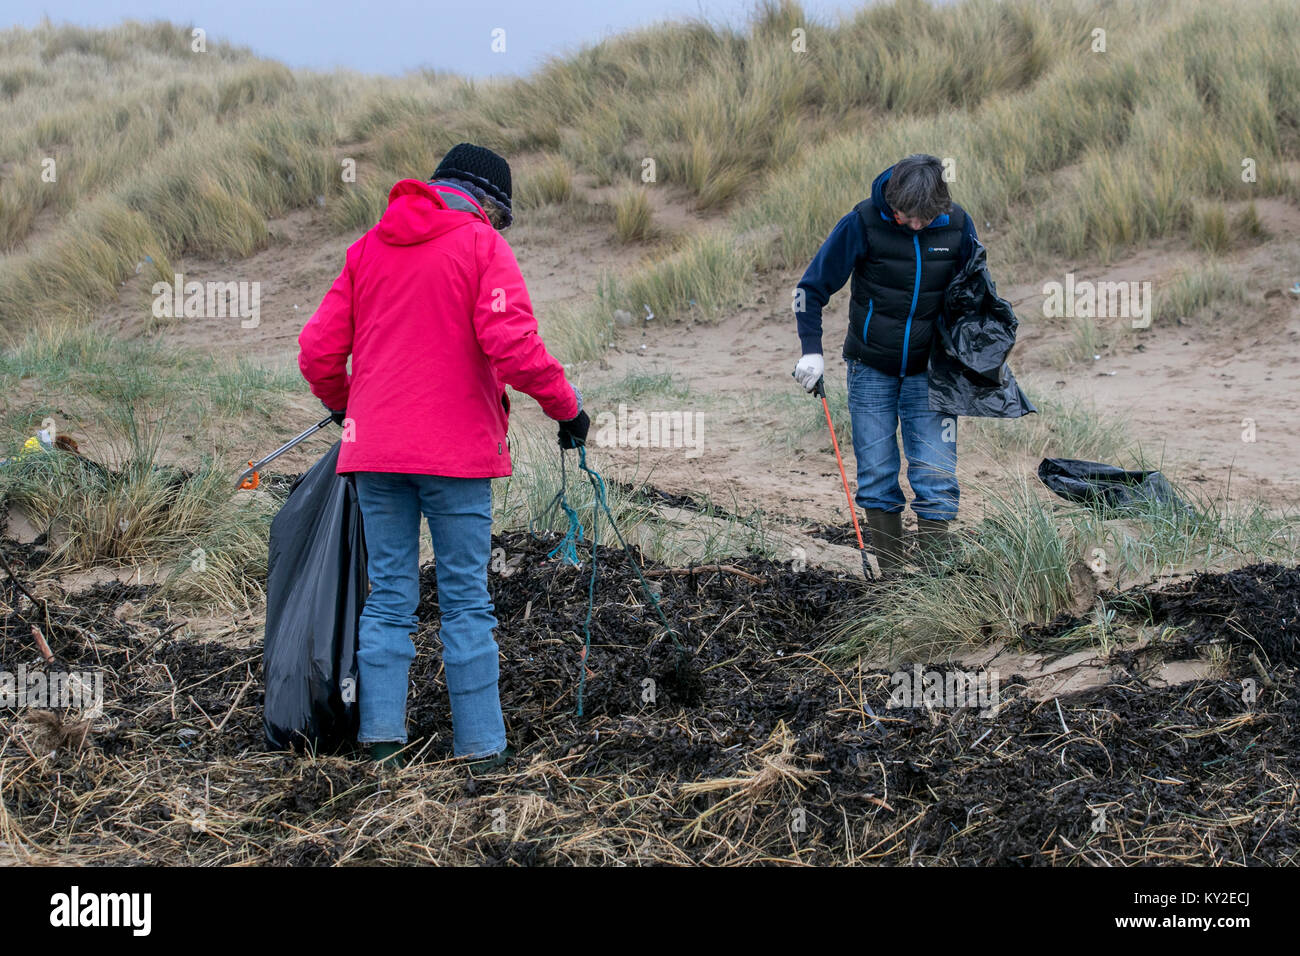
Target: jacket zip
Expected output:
[866,323]
[916,290]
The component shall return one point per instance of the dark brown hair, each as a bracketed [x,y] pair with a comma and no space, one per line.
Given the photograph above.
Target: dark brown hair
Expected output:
[917,188]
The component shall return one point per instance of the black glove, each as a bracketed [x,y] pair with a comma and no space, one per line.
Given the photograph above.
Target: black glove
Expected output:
[574,432]
[336,416]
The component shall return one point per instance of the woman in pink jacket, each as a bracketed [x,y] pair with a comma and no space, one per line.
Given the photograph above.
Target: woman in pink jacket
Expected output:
[434,313]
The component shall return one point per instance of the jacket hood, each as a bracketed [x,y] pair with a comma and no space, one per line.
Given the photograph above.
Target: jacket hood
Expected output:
[417,212]
[886,210]
[878,194]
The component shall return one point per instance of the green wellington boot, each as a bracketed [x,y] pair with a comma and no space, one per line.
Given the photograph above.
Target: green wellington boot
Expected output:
[488,764]
[933,541]
[886,539]
[388,753]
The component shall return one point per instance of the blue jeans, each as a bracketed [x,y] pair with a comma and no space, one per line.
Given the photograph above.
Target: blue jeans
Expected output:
[878,402]
[459,512]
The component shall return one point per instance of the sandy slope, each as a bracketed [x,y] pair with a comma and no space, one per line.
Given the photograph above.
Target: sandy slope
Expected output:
[1185,387]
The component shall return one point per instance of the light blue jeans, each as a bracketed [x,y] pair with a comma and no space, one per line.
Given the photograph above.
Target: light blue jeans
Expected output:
[459,512]
[878,403]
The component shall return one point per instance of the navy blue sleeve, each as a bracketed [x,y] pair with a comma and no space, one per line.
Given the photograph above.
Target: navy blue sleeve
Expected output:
[968,238]
[825,276]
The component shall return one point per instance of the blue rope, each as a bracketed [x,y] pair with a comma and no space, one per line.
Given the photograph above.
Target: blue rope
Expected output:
[566,547]
[598,483]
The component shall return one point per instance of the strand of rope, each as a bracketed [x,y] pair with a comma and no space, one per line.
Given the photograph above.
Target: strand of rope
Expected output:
[566,547]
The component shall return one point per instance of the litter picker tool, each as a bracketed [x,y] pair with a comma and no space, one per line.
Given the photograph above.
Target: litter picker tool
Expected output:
[820,391]
[250,479]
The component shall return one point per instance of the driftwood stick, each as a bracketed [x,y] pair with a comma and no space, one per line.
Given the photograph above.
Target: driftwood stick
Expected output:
[40,606]
[13,577]
[233,707]
[700,568]
[41,645]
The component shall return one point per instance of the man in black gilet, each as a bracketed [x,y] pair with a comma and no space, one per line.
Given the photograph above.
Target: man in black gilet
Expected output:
[901,248]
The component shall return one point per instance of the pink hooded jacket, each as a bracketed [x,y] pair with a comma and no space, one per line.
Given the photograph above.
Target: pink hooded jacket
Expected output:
[434,312]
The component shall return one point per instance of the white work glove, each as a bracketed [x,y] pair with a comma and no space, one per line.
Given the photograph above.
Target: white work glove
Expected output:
[808,371]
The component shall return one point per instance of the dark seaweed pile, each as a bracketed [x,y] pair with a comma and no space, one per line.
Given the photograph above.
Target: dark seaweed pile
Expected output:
[1257,608]
[753,747]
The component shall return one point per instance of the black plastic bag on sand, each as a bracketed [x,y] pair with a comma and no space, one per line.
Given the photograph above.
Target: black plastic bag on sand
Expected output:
[1091,482]
[316,588]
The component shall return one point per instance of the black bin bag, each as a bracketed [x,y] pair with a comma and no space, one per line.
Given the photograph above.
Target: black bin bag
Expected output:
[1091,482]
[316,587]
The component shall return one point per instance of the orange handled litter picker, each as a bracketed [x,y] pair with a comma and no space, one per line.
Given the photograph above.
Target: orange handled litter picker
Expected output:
[250,479]
[820,391]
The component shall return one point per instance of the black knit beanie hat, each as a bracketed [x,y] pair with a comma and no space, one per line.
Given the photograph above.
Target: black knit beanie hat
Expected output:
[480,166]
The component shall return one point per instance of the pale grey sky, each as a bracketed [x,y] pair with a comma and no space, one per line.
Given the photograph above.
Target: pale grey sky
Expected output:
[392,36]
